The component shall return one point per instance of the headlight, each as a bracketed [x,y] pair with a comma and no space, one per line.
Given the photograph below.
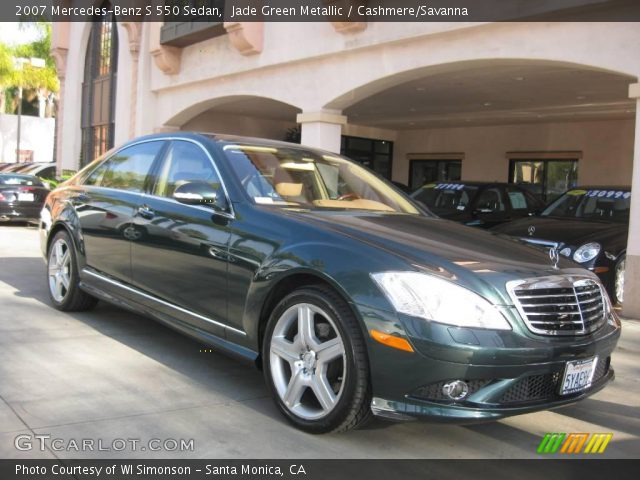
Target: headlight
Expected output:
[431,298]
[586,252]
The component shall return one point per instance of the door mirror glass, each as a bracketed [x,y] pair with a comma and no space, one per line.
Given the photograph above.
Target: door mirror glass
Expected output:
[200,193]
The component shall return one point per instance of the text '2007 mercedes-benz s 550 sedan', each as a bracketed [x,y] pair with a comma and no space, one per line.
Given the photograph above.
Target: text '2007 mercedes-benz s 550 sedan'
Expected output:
[352,299]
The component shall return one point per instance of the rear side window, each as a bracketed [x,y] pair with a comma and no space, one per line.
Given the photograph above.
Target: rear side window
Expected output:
[490,200]
[518,199]
[126,169]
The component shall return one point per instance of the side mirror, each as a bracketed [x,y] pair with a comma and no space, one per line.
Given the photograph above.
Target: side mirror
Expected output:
[200,193]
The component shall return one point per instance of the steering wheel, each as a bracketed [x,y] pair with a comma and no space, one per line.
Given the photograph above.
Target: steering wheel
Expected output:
[349,196]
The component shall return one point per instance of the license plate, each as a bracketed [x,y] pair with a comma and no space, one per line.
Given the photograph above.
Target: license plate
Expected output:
[578,375]
[26,197]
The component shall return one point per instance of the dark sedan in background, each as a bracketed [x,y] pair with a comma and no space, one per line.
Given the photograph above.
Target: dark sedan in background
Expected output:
[350,297]
[478,204]
[589,225]
[21,197]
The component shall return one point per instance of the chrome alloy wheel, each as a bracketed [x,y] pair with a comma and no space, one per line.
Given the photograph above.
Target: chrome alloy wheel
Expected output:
[59,270]
[619,280]
[307,361]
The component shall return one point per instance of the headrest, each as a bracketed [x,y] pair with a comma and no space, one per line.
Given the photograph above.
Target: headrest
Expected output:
[285,189]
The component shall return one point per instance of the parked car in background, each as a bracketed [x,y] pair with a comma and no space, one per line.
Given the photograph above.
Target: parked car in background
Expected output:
[45,171]
[478,204]
[402,187]
[41,170]
[589,225]
[16,167]
[350,298]
[21,197]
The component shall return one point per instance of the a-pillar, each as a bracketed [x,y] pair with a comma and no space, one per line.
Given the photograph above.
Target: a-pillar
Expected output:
[322,129]
[631,306]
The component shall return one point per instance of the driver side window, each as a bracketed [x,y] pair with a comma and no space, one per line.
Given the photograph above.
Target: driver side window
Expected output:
[185,162]
[490,200]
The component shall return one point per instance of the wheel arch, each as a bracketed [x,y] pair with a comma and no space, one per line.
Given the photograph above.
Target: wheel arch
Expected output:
[291,281]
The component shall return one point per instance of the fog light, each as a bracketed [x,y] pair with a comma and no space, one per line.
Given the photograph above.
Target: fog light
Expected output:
[455,390]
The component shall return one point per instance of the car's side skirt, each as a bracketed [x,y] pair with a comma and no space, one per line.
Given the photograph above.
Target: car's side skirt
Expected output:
[91,284]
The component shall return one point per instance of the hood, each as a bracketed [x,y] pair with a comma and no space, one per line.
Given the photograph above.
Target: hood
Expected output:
[472,257]
[568,231]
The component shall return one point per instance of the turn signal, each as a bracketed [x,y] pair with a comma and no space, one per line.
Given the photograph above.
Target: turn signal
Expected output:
[391,341]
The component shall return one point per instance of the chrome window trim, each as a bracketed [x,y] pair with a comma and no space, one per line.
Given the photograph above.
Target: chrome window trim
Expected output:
[230,215]
[158,300]
[560,281]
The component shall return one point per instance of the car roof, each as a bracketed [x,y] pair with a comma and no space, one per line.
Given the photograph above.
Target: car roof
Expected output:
[222,138]
[472,183]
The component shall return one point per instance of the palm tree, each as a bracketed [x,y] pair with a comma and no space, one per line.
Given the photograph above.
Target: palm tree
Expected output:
[43,81]
[7,74]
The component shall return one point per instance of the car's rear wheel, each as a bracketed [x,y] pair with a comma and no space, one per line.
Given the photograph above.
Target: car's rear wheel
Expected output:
[62,276]
[619,279]
[315,362]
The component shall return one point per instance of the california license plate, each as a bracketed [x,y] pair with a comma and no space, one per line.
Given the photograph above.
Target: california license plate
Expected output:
[26,197]
[578,375]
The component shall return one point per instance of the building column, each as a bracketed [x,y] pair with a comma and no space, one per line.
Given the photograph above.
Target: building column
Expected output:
[631,306]
[322,129]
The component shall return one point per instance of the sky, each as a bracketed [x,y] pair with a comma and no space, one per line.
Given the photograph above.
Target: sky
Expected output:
[11,34]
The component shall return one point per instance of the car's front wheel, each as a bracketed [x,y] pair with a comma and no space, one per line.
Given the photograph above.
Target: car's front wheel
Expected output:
[315,362]
[619,279]
[62,276]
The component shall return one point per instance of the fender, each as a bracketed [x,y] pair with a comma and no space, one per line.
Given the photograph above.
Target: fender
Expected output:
[64,215]
[338,269]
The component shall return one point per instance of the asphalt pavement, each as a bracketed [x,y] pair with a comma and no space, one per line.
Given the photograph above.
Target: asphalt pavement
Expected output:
[128,386]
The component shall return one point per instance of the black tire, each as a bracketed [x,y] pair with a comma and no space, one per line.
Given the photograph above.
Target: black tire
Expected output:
[75,299]
[353,408]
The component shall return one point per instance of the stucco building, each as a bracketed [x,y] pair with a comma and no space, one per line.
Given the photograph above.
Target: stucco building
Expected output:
[554,103]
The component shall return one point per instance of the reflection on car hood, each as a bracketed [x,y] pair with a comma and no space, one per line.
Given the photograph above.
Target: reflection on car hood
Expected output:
[563,230]
[472,257]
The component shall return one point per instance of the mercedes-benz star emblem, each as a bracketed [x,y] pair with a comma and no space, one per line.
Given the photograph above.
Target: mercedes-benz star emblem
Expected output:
[554,256]
[531,230]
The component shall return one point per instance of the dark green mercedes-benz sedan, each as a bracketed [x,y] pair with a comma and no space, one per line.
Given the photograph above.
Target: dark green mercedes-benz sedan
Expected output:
[352,299]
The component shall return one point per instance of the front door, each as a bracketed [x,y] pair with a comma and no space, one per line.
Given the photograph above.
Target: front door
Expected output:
[179,252]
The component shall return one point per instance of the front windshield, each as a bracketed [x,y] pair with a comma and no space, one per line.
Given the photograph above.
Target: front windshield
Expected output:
[611,205]
[289,176]
[446,198]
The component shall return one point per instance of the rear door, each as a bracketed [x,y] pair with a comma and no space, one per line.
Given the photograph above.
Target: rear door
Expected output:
[180,252]
[106,203]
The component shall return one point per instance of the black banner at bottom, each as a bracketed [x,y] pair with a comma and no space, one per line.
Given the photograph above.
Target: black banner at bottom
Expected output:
[579,469]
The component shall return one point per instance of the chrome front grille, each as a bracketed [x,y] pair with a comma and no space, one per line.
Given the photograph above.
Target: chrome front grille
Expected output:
[560,304]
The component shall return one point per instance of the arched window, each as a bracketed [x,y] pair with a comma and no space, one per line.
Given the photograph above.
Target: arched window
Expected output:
[99,87]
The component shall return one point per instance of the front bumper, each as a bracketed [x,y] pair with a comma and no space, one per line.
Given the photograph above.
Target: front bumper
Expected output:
[508,372]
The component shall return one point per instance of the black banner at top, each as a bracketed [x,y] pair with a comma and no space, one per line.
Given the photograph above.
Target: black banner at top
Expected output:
[322,10]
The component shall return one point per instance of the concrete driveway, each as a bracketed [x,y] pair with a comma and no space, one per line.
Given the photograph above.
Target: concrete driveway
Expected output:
[110,375]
